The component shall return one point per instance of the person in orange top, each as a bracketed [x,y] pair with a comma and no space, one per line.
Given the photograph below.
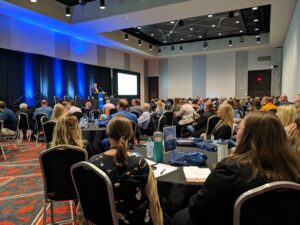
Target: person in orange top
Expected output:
[268,104]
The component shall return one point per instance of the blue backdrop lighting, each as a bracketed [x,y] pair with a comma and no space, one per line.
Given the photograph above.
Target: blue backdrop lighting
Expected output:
[70,89]
[28,81]
[58,78]
[80,75]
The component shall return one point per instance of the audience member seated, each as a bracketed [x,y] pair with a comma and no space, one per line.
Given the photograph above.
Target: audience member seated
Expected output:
[267,104]
[257,160]
[176,105]
[195,104]
[43,109]
[223,128]
[186,113]
[9,120]
[66,105]
[297,106]
[297,97]
[286,114]
[160,108]
[133,181]
[74,108]
[108,105]
[200,127]
[123,110]
[87,108]
[24,109]
[58,111]
[68,132]
[144,119]
[136,106]
[284,100]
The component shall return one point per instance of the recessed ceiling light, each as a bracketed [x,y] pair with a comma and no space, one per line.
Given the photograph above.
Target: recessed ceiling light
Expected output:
[237,21]
[102,4]
[126,37]
[220,34]
[254,8]
[256,29]
[139,27]
[258,36]
[165,41]
[150,47]
[34,1]
[255,20]
[210,15]
[159,51]
[257,40]
[213,25]
[181,39]
[172,22]
[68,12]
[191,28]
[152,35]
[139,42]
[199,36]
[230,43]
[171,32]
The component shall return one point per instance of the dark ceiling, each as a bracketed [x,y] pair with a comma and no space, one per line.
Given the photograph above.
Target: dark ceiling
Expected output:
[74,2]
[220,25]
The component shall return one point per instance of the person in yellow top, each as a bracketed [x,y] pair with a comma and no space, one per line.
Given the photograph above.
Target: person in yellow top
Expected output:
[268,104]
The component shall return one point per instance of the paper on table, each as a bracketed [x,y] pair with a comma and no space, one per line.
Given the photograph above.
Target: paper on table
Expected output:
[195,174]
[163,169]
[150,162]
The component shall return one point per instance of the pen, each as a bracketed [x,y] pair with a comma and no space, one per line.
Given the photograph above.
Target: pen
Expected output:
[162,171]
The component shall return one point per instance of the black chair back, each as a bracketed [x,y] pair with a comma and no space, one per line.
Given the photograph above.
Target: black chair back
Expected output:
[211,123]
[48,128]
[23,121]
[152,126]
[169,118]
[96,113]
[56,164]
[38,118]
[56,99]
[95,193]
[66,98]
[79,115]
[272,203]
[112,111]
[136,113]
[161,123]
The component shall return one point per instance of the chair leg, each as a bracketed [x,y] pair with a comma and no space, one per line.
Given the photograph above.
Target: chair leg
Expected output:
[52,213]
[37,138]
[45,214]
[3,152]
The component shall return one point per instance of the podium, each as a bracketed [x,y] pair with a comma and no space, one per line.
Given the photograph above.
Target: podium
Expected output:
[101,100]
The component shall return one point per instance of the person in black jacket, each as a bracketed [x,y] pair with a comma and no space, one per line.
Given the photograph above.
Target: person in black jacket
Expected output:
[200,127]
[262,155]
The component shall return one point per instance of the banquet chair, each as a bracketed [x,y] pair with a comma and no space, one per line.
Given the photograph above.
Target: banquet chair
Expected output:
[38,124]
[112,111]
[67,98]
[79,115]
[48,128]
[272,203]
[169,118]
[211,123]
[1,145]
[55,164]
[95,193]
[161,123]
[23,125]
[56,99]
[135,113]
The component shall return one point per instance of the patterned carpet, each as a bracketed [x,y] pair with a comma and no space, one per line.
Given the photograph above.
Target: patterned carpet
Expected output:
[21,188]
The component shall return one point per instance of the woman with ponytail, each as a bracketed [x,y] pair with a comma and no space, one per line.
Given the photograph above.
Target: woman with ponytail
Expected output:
[134,184]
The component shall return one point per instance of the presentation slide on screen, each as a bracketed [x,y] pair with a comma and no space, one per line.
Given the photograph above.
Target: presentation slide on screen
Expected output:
[127,84]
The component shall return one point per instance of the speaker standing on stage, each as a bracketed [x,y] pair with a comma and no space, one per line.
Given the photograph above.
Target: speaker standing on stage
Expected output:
[96,90]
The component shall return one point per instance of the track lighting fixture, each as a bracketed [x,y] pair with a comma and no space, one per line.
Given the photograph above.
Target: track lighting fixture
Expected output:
[181,49]
[172,48]
[102,4]
[139,42]
[150,47]
[68,12]
[159,51]
[242,39]
[205,44]
[257,40]
[126,37]
[230,43]
[34,1]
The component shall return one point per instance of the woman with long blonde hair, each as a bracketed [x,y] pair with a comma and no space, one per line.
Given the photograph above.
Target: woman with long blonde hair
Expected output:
[286,114]
[223,129]
[58,111]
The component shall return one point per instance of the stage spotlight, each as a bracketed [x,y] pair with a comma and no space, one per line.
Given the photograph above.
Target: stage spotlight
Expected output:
[181,49]
[172,48]
[230,43]
[242,39]
[139,42]
[126,37]
[102,4]
[68,12]
[150,47]
[205,44]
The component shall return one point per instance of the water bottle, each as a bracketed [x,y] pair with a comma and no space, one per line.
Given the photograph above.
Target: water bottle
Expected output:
[92,118]
[86,121]
[158,146]
[149,148]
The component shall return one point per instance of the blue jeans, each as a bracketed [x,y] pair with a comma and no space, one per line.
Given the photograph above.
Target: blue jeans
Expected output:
[193,131]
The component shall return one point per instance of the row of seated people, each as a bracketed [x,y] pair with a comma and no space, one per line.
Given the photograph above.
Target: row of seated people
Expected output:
[134,184]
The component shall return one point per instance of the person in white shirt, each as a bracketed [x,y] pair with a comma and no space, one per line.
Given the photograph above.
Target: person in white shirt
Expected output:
[74,108]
